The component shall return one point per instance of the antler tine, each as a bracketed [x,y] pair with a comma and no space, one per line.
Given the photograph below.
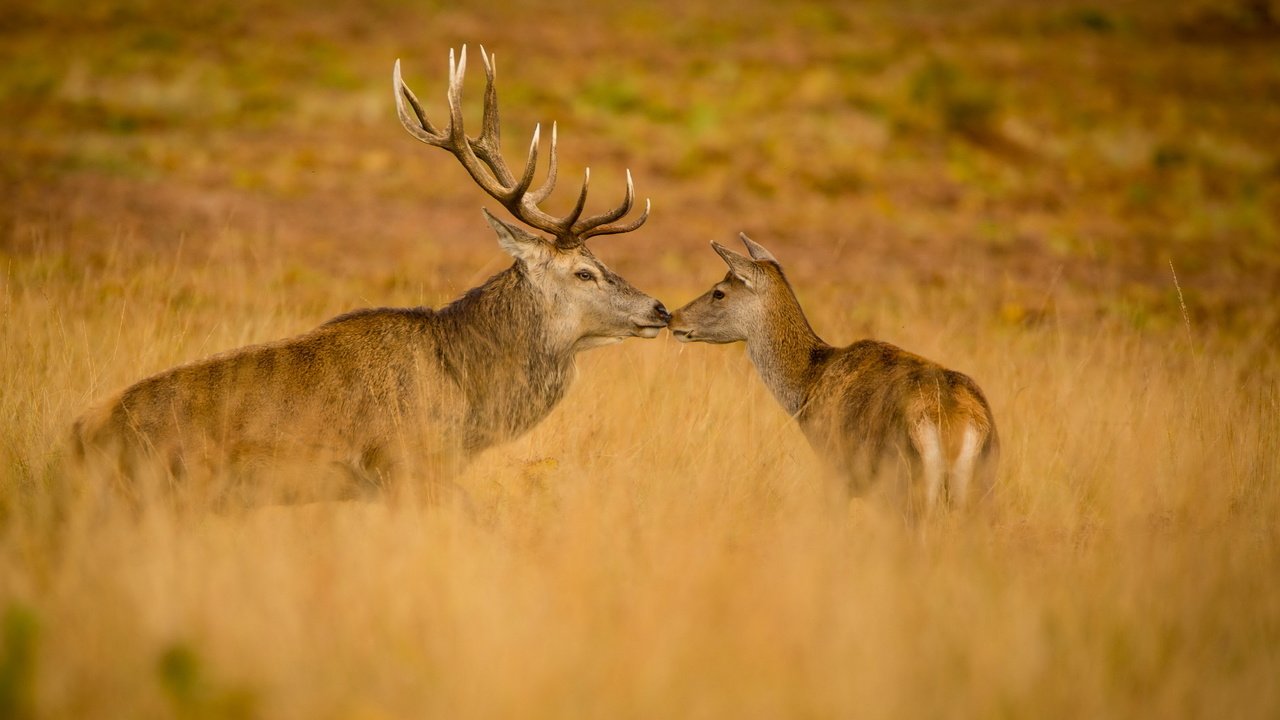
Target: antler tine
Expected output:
[574,214]
[586,224]
[549,184]
[526,179]
[618,229]
[490,129]
[457,70]
[488,146]
[423,130]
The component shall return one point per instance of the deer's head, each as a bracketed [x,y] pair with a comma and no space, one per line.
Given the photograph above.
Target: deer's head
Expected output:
[587,303]
[739,307]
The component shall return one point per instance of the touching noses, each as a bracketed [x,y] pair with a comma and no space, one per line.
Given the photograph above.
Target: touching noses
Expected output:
[661,310]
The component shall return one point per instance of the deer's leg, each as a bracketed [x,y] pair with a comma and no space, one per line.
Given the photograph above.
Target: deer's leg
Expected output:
[962,470]
[929,444]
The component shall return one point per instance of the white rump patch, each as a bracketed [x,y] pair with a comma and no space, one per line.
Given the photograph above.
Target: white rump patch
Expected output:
[930,444]
[962,471]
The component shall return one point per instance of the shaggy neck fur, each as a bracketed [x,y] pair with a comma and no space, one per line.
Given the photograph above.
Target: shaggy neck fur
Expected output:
[494,342]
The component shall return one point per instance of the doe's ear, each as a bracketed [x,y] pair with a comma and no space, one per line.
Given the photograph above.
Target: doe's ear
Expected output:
[758,251]
[517,243]
[740,265]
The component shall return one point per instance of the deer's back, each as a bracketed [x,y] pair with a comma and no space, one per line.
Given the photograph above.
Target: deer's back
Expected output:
[344,387]
[865,399]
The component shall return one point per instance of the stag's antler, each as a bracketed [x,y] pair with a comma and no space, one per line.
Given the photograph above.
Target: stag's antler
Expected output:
[569,231]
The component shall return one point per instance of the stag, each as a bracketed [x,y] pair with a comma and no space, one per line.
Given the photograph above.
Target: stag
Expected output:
[885,418]
[382,394]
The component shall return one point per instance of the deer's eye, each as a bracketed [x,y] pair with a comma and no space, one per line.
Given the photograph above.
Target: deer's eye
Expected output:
[717,295]
[585,275]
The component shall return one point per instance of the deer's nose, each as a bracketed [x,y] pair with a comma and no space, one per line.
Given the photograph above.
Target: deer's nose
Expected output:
[661,310]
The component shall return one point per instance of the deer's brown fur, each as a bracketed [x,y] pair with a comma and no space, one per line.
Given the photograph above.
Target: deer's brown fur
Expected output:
[884,417]
[383,393]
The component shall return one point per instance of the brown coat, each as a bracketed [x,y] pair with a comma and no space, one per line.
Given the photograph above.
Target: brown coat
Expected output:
[876,412]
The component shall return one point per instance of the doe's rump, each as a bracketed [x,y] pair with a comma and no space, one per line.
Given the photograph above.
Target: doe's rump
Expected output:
[900,425]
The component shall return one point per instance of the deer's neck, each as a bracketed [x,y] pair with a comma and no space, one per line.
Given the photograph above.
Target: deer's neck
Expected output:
[496,343]
[785,351]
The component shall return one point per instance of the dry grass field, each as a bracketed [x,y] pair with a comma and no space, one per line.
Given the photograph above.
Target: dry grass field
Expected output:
[1007,188]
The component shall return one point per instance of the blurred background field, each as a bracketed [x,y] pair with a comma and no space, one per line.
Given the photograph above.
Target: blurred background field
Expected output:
[1005,187]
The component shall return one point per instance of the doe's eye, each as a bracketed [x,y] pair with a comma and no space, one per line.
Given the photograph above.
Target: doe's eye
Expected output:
[584,275]
[717,294]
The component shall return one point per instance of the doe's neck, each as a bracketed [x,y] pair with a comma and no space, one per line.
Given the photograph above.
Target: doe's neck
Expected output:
[784,350]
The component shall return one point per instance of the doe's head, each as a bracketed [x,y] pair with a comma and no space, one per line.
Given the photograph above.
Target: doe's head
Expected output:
[736,308]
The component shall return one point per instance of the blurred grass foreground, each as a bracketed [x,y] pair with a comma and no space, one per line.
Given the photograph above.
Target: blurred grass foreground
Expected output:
[1075,203]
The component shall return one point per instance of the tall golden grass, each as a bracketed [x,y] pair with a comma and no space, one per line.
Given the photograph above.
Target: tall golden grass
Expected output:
[998,186]
[665,544]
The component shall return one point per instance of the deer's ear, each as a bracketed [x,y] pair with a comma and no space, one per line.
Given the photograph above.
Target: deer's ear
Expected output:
[517,243]
[740,265]
[758,251]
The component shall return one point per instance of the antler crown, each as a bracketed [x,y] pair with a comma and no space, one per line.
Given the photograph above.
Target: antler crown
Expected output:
[482,158]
